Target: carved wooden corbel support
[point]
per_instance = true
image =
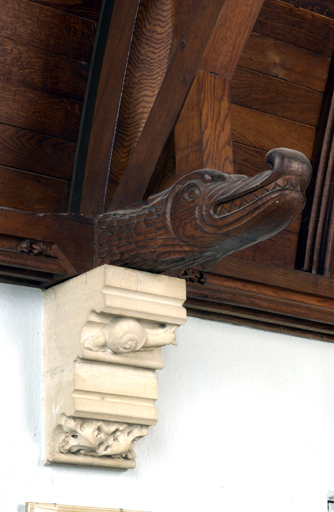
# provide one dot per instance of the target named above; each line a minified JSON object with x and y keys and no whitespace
{"x":205,"y":216}
{"x":102,"y":344}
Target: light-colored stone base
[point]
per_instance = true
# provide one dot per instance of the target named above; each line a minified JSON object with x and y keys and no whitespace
{"x":103,"y":333}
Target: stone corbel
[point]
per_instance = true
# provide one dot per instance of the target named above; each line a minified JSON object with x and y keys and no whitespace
{"x":103,"y":333}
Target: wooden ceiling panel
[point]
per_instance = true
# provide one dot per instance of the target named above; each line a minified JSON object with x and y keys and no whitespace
{"x":36,"y":25}
{"x":280,"y":249}
{"x":296,"y":26}
{"x":275,"y":96}
{"x":86,"y":8}
{"x":286,"y":61}
{"x":35,"y":193}
{"x":322,"y":7}
{"x":41,"y":70}
{"x":41,"y":112}
{"x":35,"y":152}
{"x":264,"y":131}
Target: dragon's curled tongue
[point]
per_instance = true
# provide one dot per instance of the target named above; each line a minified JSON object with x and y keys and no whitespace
{"x":205,"y":216}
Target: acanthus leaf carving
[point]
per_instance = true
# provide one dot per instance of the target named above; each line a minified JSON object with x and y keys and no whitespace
{"x":99,"y":438}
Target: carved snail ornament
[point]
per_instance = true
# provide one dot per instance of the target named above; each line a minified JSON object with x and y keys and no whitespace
{"x":122,"y":335}
{"x":205,"y":216}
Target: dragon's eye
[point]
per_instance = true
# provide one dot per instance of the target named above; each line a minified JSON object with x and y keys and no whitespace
{"x":190,"y":192}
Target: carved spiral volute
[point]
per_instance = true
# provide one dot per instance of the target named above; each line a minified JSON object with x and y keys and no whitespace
{"x":125,"y":335}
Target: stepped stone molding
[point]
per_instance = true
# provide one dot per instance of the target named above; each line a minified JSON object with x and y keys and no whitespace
{"x":103,"y":333}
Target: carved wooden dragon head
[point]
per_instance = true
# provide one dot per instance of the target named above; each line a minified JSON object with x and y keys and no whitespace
{"x":205,"y":216}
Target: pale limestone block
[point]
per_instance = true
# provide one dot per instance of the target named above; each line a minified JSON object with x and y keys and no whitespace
{"x":103,"y":333}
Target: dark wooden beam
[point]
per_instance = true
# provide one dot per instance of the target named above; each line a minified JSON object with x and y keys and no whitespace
{"x":52,"y":243}
{"x":89,"y":185}
{"x":203,"y":133}
{"x":202,"y":20}
{"x":147,"y":64}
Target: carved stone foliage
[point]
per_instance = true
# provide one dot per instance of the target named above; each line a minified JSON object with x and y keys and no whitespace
{"x":99,"y":438}
{"x":205,"y":216}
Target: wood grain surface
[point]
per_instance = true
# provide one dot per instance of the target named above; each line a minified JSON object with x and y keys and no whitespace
{"x":180,"y":10}
{"x":264,"y":131}
{"x":272,"y":250}
{"x":86,"y":8}
{"x":39,"y":111}
{"x":106,"y":108}
{"x":203,"y":137}
{"x":272,"y":275}
{"x":175,"y":86}
{"x":257,"y":319}
{"x":322,"y":7}
{"x":248,"y":160}
{"x":286,"y":61}
{"x":32,"y":68}
{"x":296,"y":26}
{"x":35,"y":193}
{"x":72,"y":233}
{"x":35,"y":152}
{"x":147,"y":64}
{"x":227,"y":41}
{"x":36,"y":25}
{"x":275,"y":96}
{"x":264,"y":298}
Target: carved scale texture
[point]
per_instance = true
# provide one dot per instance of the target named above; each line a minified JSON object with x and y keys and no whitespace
{"x":138,"y":237}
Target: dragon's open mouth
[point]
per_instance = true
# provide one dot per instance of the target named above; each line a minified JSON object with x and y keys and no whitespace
{"x":287,"y":183}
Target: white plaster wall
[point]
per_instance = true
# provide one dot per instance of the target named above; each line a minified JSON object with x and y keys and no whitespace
{"x":246,"y":423}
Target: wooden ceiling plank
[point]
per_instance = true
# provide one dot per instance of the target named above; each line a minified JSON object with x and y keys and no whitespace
{"x":203,"y":137}
{"x":302,"y":306}
{"x":324,"y":8}
{"x":90,"y":187}
{"x":264,"y":131}
{"x":296,"y":26}
{"x":272,"y":275}
{"x":32,"y":275}
{"x":87,"y":9}
{"x":249,"y":158}
{"x":260,"y":320}
{"x":182,"y":69}
{"x":32,"y":68}
{"x":36,"y":193}
{"x":36,"y":152}
{"x":31,"y":262}
{"x":274,"y":96}
{"x":39,"y":111}
{"x":286,"y":61}
{"x":42,"y":27}
{"x":271,"y":250}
